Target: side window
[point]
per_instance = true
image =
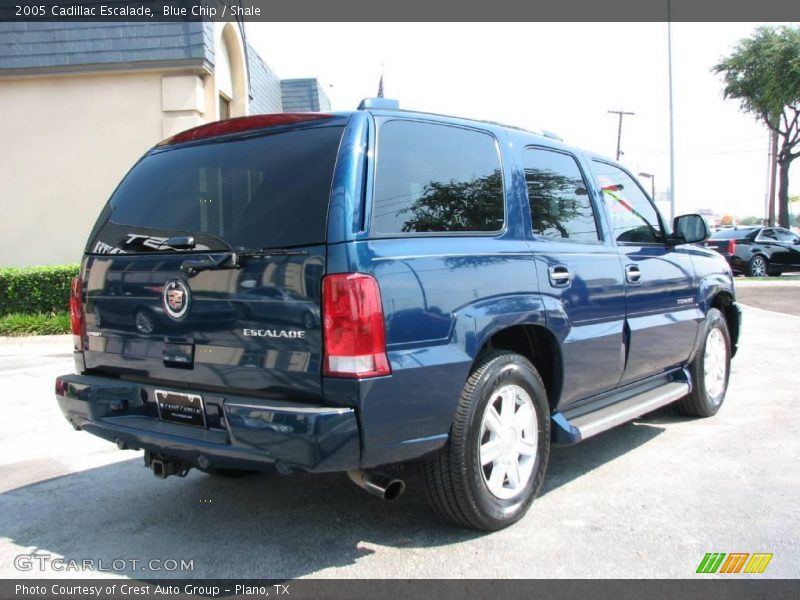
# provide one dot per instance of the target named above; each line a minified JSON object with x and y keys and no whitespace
{"x":784,"y":235}
{"x":634,"y":219}
{"x":768,"y":235}
{"x":559,"y":201}
{"x":436,"y":178}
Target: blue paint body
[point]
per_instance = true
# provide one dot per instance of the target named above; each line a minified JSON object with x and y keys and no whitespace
{"x":444,"y":298}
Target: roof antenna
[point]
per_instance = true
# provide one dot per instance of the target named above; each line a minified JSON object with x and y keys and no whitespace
{"x":380,"y":84}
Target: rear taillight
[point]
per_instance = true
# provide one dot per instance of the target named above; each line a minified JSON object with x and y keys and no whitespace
{"x":353,"y":328}
{"x":76,"y":320}
{"x":731,"y":246}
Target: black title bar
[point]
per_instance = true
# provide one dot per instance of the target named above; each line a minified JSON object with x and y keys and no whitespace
{"x":407,"y":10}
{"x":715,"y":588}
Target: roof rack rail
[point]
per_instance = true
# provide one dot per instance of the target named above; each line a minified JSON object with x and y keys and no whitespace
{"x":552,"y":136}
{"x":379,"y":103}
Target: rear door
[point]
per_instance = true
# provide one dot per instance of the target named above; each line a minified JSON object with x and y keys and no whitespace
{"x":254,"y":328}
{"x":579,"y":270}
{"x":792,"y":241}
{"x":662,"y":307}
{"x":786,"y":251}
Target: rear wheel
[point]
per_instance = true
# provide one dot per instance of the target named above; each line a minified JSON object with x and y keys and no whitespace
{"x":491,"y":468}
{"x":144,"y":321}
{"x":710,"y":369}
{"x":757,"y":267}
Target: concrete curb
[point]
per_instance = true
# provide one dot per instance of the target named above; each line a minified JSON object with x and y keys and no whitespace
{"x":36,"y":344}
{"x":765,"y":283}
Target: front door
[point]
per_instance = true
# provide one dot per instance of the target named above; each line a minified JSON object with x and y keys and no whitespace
{"x":663,"y":314}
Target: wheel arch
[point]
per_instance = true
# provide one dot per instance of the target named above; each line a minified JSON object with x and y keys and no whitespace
{"x":723,"y":301}
{"x":536,"y":343}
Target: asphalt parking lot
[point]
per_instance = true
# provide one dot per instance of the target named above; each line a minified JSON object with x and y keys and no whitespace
{"x":647,"y":499}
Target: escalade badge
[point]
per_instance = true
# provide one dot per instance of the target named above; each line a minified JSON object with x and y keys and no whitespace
{"x":176,"y":298}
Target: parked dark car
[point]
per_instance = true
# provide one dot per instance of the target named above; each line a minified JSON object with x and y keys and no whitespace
{"x":758,"y":251}
{"x":407,"y":288}
{"x":286,"y":306}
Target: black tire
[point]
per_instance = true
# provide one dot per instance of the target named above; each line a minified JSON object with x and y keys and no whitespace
{"x":455,"y":481}
{"x":701,"y":402}
{"x":758,"y":266}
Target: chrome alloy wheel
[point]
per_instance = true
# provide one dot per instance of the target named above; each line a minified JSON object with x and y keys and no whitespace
{"x":144,"y":322}
{"x":715,"y":364}
{"x":508,"y":441}
{"x":758,"y":268}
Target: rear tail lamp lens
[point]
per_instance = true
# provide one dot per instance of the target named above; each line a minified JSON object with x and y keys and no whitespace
{"x":353,"y":327}
{"x":76,"y":316}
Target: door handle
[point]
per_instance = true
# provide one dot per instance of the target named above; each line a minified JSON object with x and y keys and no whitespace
{"x":633,"y":274}
{"x":559,"y":275}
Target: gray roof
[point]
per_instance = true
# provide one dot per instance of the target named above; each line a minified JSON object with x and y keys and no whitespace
{"x":64,"y":46}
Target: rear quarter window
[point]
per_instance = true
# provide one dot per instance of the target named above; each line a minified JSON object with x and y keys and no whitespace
{"x":436,"y":178}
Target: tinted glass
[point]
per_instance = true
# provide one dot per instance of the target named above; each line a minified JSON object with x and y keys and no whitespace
{"x":784,"y":235}
{"x":733,"y":234}
{"x":633,"y":218}
{"x":559,"y":202}
{"x":768,"y":234}
{"x":436,"y":178}
{"x":266,"y":191}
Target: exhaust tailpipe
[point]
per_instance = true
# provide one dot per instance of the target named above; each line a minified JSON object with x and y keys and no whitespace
{"x":377,"y":484}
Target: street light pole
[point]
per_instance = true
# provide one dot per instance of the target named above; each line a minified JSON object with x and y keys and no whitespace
{"x":671,"y":127}
{"x":652,"y":179}
{"x":621,"y":114}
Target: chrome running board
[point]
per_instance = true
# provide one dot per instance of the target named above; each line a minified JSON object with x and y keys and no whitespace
{"x":615,"y":414}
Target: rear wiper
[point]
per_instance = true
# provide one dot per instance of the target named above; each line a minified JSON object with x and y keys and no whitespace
{"x":234,"y":258}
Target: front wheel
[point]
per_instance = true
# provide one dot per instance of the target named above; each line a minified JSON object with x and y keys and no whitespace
{"x":710,"y":369}
{"x":494,"y":462}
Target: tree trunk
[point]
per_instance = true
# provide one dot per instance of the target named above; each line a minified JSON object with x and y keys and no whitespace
{"x":783,"y":192}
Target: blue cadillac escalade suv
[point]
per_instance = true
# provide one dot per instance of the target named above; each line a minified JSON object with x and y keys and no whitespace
{"x":346,"y":291}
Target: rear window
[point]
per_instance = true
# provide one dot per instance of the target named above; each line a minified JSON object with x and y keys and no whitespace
{"x":733,"y":234}
{"x":267,"y":191}
{"x":436,"y":178}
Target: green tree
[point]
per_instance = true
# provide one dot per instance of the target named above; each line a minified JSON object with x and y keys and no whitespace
{"x":750,"y":221}
{"x":474,"y":205}
{"x":763,"y":73}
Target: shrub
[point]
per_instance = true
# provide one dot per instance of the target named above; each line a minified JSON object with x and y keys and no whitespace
{"x":47,"y":324}
{"x":36,"y":290}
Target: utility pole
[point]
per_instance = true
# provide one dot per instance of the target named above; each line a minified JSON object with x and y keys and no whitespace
{"x":671,"y":125}
{"x":621,"y":114}
{"x":773,"y":176}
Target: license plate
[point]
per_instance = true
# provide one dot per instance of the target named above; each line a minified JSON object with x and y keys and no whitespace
{"x":178,"y":407}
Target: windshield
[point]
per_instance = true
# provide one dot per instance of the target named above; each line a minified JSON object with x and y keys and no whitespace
{"x":265,"y":191}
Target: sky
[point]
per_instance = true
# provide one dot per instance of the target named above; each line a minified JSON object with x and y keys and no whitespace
{"x":562,"y":77}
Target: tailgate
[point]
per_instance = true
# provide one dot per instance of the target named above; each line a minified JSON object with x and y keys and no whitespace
{"x":720,"y":246}
{"x":249,"y":325}
{"x":250,"y":329}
